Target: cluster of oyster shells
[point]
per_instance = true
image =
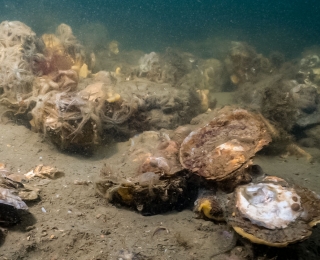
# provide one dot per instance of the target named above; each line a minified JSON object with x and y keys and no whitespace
{"x":160,"y":170}
{"x":221,"y":150}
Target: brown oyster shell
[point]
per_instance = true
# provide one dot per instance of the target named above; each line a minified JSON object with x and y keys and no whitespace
{"x":311,"y":205}
{"x":296,"y":231}
{"x":224,"y":146}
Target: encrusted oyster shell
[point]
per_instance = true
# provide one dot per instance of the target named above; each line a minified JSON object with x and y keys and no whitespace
{"x":273,"y":233}
{"x":224,"y":146}
{"x":149,"y":177}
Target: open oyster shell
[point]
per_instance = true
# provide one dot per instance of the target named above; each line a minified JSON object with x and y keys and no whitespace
{"x":10,"y":201}
{"x":275,"y":215}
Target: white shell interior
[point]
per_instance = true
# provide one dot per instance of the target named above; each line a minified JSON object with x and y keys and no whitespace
{"x":232,"y":145}
{"x":268,"y":205}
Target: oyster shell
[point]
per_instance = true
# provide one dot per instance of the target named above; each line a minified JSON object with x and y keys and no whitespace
{"x":223,"y":147}
{"x":282,"y":214}
{"x":10,"y":201}
{"x":150,"y":179}
{"x":44,"y":171}
{"x":270,"y":212}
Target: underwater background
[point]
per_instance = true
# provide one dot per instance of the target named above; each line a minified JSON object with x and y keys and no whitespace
{"x":162,"y":108}
{"x":285,"y":26}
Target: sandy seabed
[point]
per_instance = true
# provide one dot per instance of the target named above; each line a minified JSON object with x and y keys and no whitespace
{"x":78,"y":224}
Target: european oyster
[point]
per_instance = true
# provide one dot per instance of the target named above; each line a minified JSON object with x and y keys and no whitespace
{"x":223,"y":148}
{"x":273,"y":213}
{"x":150,"y":179}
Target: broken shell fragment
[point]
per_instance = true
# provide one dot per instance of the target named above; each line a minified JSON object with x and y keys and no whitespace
{"x":29,"y":193}
{"x":8,"y":197}
{"x":44,"y":172}
{"x":12,"y":194}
